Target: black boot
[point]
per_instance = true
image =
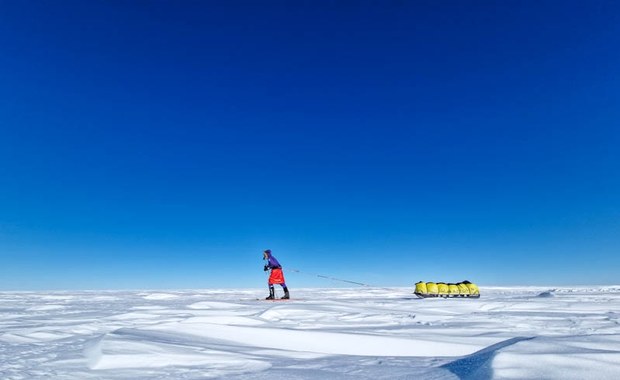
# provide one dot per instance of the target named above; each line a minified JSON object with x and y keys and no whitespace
{"x":286,"y":295}
{"x":271,"y":294}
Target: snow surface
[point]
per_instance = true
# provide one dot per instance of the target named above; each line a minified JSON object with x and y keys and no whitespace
{"x":361,"y":333}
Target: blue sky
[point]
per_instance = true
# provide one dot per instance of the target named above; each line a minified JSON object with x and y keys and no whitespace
{"x":166,"y":144}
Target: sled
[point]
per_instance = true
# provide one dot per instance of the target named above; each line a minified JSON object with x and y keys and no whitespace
{"x":463,"y":289}
{"x":426,"y":295}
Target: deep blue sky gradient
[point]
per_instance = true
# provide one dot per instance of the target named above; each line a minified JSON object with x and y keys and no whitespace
{"x":165,"y":144}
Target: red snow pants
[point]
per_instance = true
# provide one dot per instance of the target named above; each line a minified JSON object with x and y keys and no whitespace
{"x":276,"y":276}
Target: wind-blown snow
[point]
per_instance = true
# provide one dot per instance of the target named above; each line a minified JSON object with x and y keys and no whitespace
{"x":362,"y":333}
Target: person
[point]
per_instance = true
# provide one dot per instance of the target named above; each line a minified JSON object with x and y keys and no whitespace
{"x":276,"y":276}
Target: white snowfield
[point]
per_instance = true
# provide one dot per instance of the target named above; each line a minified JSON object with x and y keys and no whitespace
{"x":361,"y":333}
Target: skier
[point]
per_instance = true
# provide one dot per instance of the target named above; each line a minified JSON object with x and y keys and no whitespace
{"x":276,"y":276}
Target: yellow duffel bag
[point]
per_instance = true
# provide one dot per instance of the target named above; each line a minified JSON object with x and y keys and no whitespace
{"x":442,"y":289}
{"x":453,"y":289}
{"x":463,"y":289}
{"x":473,"y":288}
{"x":420,"y":287}
{"x":431,"y":288}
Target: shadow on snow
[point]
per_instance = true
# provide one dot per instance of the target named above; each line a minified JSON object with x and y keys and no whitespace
{"x":477,"y":366}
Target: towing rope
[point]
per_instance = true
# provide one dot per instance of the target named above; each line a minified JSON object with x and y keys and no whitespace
{"x":331,"y":278}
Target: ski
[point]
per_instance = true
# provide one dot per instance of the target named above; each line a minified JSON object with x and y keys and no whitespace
{"x":275,"y":299}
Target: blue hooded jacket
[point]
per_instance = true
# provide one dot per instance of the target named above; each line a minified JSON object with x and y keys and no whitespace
{"x":272,"y":262}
